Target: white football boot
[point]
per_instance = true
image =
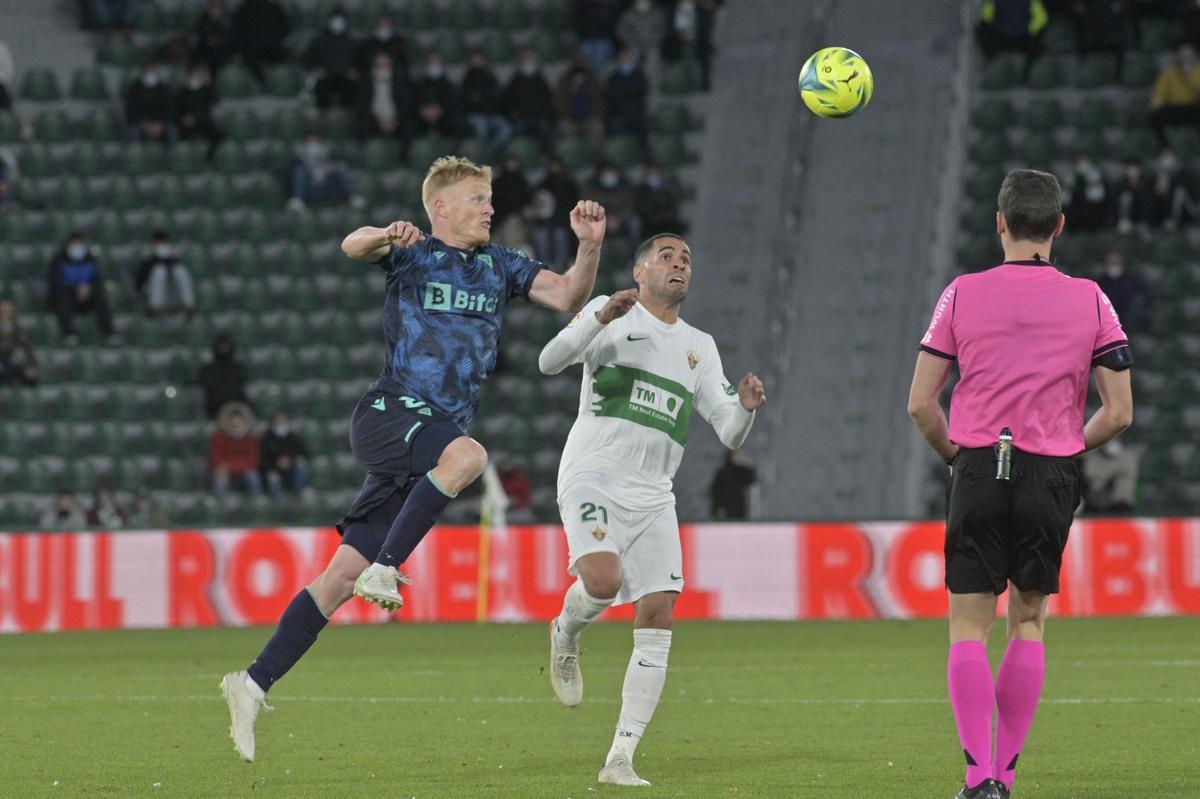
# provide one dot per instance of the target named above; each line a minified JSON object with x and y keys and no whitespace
{"x":564,"y":670}
{"x":377,"y":585}
{"x":244,"y":703}
{"x":619,"y":771}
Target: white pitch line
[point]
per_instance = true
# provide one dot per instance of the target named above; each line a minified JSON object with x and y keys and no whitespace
{"x":509,"y":700}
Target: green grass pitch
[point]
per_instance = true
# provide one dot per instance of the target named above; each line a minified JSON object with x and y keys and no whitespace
{"x":770,"y":710}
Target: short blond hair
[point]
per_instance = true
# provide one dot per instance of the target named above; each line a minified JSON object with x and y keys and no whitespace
{"x":447,"y":171}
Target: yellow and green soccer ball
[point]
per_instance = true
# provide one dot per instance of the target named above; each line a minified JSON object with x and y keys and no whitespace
{"x":836,"y":83}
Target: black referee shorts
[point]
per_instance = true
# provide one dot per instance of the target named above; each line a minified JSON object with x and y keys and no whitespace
{"x":1001,"y":530}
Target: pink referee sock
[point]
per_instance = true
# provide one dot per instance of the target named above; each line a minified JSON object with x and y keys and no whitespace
{"x":1018,"y":688}
{"x":973,"y":696}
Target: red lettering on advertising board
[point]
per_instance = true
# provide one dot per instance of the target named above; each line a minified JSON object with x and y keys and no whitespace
{"x":31,"y":553}
{"x":837,"y":561}
{"x":74,"y":607}
{"x":190,"y":569}
{"x":456,"y":566}
{"x":1118,"y":585}
{"x":918,"y":549}
{"x":255,"y":550}
{"x":1182,"y":565}
{"x":109,"y":610}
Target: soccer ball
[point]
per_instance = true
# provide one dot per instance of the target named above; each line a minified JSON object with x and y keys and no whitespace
{"x":836,"y":83}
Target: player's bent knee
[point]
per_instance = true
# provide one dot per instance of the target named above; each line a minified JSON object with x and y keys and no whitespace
{"x":466,"y":459}
{"x":602,"y":586}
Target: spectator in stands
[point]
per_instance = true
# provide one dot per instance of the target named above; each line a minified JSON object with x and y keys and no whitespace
{"x":436,"y":100}
{"x":145,"y":513}
{"x":64,"y":514}
{"x":1175,"y":98}
{"x":161,"y":270}
{"x":8,"y":73}
{"x":223,"y":378}
{"x":283,"y":457}
{"x":529,"y":101}
{"x":260,"y":28}
{"x":1110,"y":476}
{"x":233,"y":452}
{"x":385,"y":106}
{"x":384,"y":39}
{"x":1134,"y":199}
{"x":518,"y":489}
{"x":105,"y":513}
{"x":552,"y":235}
{"x":1128,"y":293}
{"x":1104,"y":26}
{"x":625,"y":95}
{"x":690,"y":35}
{"x":316,"y":177}
{"x":193,"y":109}
{"x":1012,"y":25}
{"x":480,"y":92}
{"x":596,"y":23}
{"x":76,"y":286}
{"x":730,"y":489}
{"x":608,"y":187}
{"x":642,"y":29}
{"x":330,"y":59}
{"x":8,"y":179}
{"x":214,"y":37}
{"x":18,"y":362}
{"x":579,"y":99}
{"x":655,"y":203}
{"x":1172,"y":192}
{"x":1086,"y":199}
{"x":510,"y":190}
{"x":112,"y":15}
{"x":148,"y":105}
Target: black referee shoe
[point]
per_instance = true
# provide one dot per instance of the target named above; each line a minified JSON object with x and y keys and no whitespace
{"x":1001,"y":789}
{"x":988,"y":789}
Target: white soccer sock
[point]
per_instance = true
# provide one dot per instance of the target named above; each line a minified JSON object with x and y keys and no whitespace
{"x":579,"y":610}
{"x":644,"y":680}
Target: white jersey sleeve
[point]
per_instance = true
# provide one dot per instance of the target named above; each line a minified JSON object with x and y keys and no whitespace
{"x":718,"y":404}
{"x":575,"y":341}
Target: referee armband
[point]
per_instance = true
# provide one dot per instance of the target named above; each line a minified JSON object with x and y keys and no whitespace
{"x":1117,"y":358}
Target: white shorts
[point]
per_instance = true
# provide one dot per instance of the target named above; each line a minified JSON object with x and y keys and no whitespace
{"x":647,"y":542}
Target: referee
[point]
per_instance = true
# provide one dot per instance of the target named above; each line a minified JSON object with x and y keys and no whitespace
{"x":1025,"y":336}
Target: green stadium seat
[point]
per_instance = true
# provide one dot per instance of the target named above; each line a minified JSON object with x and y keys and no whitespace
{"x":1040,"y":150}
{"x":553,"y":15}
{"x":681,"y":77}
{"x":673,"y":119}
{"x":451,"y":45}
{"x":40,"y":85}
{"x":1059,"y":36}
{"x":73,"y":195}
{"x":87,"y":159}
{"x":230,"y":158}
{"x":1140,"y":144}
{"x":118,"y":51}
{"x":670,"y":151}
{"x":289,"y":124}
{"x":234,"y":82}
{"x":510,"y":15}
{"x":465,"y":15}
{"x":498,"y":49}
{"x":1096,"y":71}
{"x":1159,"y":35}
{"x":425,"y":150}
{"x":1095,"y":114}
{"x":575,"y":152}
{"x":1002,"y":73}
{"x":380,"y":155}
{"x":37,"y":161}
{"x":88,"y":83}
{"x":1047,"y":72}
{"x":207,"y":227}
{"x":220,"y":194}
{"x":10,"y":127}
{"x":187,"y":158}
{"x":421,"y":15}
{"x":151,"y":18}
{"x":1172,"y":249}
{"x":241,"y":124}
{"x":478,"y":150}
{"x":1186,"y":142}
{"x":994,"y":114}
{"x":624,"y":151}
{"x":102,"y":126}
{"x":282,"y":81}
{"x":1044,"y":114}
{"x":335,"y":125}
{"x":137,"y":159}
{"x":527,"y":149}
{"x":110,"y":229}
{"x":1139,"y":70}
{"x":53,"y":127}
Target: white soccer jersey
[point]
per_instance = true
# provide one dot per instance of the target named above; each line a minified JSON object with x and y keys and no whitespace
{"x":642,"y":379}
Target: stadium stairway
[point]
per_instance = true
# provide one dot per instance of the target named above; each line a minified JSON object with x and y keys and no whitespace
{"x":800,"y":282}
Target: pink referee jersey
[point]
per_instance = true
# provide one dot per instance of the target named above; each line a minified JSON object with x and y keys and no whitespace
{"x":1025,"y":337}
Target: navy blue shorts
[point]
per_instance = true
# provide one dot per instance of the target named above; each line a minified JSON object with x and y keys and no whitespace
{"x":398,"y":440}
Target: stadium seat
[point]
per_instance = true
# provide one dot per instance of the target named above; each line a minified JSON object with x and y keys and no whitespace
{"x":670,"y":151}
{"x":994,"y":114}
{"x":151,"y":18}
{"x":681,"y":77}
{"x":1047,"y":72}
{"x":88,"y":83}
{"x":1096,"y":70}
{"x":1095,"y":114}
{"x":421,"y":15}
{"x":673,"y":119}
{"x":1002,"y":73}
{"x":73,"y":195}
{"x":187,"y":158}
{"x":138,"y":158}
{"x":1186,"y":142}
{"x":1059,"y":36}
{"x":575,"y":152}
{"x":102,"y":126}
{"x":40,"y":85}
{"x":380,"y":155}
{"x":527,"y":149}
{"x":465,"y":15}
{"x":498,"y":49}
{"x":624,"y":151}
{"x":10,"y":127}
{"x":241,"y":124}
{"x":1040,"y":150}
{"x":1140,"y":144}
{"x":510,"y":15}
{"x":53,"y":127}
{"x":423,"y":151}
{"x":234,"y":82}
{"x":118,"y":51}
{"x":1044,"y":114}
{"x":37,"y":161}
{"x":1139,"y":70}
{"x":230,"y":159}
{"x":282,"y":81}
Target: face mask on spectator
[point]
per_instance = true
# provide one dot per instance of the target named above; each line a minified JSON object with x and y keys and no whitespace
{"x":609,"y":180}
{"x":281,"y":430}
{"x":626,"y":68}
{"x":643,"y":6}
{"x":76,"y":252}
{"x":383,"y":33}
{"x":313,"y":150}
{"x":195,"y":83}
{"x":150,"y":79}
{"x":654,"y":181}
{"x":1114,"y":270}
{"x":435,"y":71}
{"x":1168,"y":163}
{"x":529,"y":68}
{"x":162,"y":250}
{"x":337,"y":24}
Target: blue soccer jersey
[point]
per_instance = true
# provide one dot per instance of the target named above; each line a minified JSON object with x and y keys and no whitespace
{"x":442,"y":320}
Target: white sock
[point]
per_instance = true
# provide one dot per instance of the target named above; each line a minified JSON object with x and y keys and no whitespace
{"x":255,"y":689}
{"x":644,"y":680}
{"x":579,"y":610}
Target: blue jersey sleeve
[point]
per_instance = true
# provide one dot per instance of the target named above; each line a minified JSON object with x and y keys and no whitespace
{"x":396,"y":260}
{"x":520,"y":270}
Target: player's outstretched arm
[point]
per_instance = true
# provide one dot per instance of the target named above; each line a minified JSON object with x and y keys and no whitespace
{"x":571,"y":343}
{"x":370,"y":244}
{"x":729,"y":410}
{"x":569,"y":291}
